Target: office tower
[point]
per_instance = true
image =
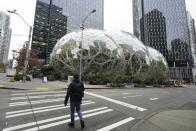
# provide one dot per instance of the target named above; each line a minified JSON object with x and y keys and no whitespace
{"x":156,"y":31}
{"x":55,"y":18}
{"x":192,"y":36}
{"x":150,"y":19}
{"x":5,"y":36}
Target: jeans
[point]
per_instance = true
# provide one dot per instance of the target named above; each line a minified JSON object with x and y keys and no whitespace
{"x":76,"y":105}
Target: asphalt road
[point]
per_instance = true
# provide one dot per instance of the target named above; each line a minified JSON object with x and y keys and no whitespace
{"x":103,"y":109}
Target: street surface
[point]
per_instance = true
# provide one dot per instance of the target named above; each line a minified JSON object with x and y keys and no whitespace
{"x":103,"y":109}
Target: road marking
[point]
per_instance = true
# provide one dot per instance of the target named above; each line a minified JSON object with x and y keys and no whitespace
{"x":110,"y":127}
{"x":38,"y":96}
{"x":125,"y":93}
{"x":132,"y":96}
{"x":41,"y":88}
{"x":1,"y":85}
{"x":43,"y":92}
{"x":46,"y":110}
{"x":50,"y":120}
{"x":117,"y":102}
{"x":36,"y":102}
{"x":153,"y":99}
{"x":40,"y":108}
{"x":68,"y":120}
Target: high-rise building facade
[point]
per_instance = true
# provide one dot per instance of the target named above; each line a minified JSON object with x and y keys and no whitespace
{"x":55,"y":18}
{"x":49,"y":25}
{"x":192,"y":36}
{"x":163,"y":24}
{"x":156,"y":31}
{"x":5,"y":36}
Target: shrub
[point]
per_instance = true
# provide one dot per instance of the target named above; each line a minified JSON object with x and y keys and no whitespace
{"x":18,"y":77}
{"x":119,"y":79}
{"x":96,"y":79}
{"x":51,"y":78}
{"x":156,"y":85}
{"x":101,"y":79}
{"x":117,"y":85}
{"x":139,"y":85}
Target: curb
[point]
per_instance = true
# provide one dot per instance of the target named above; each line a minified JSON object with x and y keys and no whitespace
{"x":142,"y":121}
{"x":15,"y":88}
{"x":57,"y":89}
{"x":12,"y":88}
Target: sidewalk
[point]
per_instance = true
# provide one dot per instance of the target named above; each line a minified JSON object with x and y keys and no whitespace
{"x":37,"y":84}
{"x":170,"y":120}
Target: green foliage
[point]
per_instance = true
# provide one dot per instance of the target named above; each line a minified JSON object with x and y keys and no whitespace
{"x":37,"y":74}
{"x":158,"y":75}
{"x":139,"y":85}
{"x":117,"y":85}
{"x":156,"y":85}
{"x":101,"y":79}
{"x":52,"y":73}
{"x":46,"y":70}
{"x":97,"y":79}
{"x":140,"y":78}
{"x":118,"y":80}
{"x":18,"y":77}
{"x":51,"y":78}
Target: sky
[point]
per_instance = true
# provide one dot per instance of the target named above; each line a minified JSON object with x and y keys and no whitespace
{"x":117,"y":16}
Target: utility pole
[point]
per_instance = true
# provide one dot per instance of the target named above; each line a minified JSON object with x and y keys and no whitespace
{"x":80,"y":46}
{"x":27,"y":55}
{"x":28,"y":44}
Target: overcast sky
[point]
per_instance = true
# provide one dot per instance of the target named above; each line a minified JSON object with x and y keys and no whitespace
{"x":117,"y":16}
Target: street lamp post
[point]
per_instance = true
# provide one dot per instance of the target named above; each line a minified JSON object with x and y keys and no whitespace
{"x":80,"y":46}
{"x":28,"y":44}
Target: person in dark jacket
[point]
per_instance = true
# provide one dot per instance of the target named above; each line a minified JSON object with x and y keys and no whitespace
{"x":75,"y":92}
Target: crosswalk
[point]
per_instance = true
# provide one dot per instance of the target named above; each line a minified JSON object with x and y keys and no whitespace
{"x":50,"y":112}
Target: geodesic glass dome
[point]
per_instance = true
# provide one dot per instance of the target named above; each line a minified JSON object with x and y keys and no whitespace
{"x":103,"y":51}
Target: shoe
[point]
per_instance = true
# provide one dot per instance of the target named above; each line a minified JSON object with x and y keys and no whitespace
{"x":71,"y":125}
{"x":82,"y":124}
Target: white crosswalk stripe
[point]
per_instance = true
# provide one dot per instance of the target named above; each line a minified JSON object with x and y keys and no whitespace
{"x":51,"y":119}
{"x":68,"y":120}
{"x":36,"y":102}
{"x":110,"y":127}
{"x":43,"y":92}
{"x":40,"y":110}
{"x":25,"y":110}
{"x":117,"y":102}
{"x":34,"y":97}
{"x":20,"y":109}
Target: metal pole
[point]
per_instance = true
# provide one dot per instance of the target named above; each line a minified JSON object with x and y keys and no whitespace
{"x":28,"y":44}
{"x":81,"y":51}
{"x":27,"y":55}
{"x":80,"y":46}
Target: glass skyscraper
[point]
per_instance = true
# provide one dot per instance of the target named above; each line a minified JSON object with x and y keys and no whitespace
{"x":192,"y":36}
{"x":55,"y":18}
{"x":5,"y":37}
{"x":156,"y":31}
{"x":155,"y":21}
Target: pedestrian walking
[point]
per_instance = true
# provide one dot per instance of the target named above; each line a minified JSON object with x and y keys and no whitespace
{"x":75,"y":92}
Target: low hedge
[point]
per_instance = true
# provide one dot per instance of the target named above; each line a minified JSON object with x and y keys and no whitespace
{"x":19,"y":77}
